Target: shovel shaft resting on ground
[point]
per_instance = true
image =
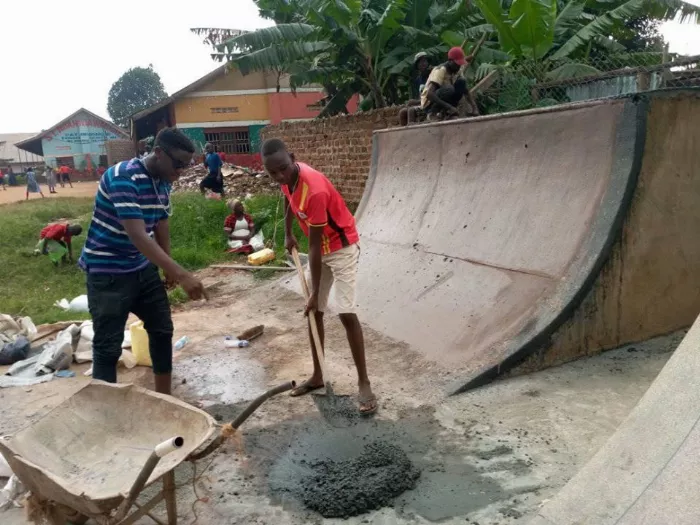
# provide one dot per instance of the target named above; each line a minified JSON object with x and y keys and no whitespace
{"x":312,"y":322}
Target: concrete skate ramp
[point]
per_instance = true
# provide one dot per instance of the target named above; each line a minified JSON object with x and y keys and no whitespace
{"x":480,"y":237}
{"x":648,"y":473}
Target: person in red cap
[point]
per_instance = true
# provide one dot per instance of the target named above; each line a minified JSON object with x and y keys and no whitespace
{"x":445,"y":87}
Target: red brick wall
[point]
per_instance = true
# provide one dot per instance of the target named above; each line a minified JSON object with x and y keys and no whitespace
{"x":340,"y":147}
{"x":119,"y":150}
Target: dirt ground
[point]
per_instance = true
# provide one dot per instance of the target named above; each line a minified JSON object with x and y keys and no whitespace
{"x":487,"y":457}
{"x":79,"y":189}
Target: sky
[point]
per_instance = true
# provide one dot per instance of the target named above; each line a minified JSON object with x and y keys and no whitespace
{"x":58,"y":56}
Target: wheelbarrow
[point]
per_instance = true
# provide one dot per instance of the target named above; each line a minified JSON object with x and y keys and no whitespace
{"x":93,"y":455}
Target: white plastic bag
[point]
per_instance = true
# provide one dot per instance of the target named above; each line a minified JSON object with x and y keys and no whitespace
{"x":257,"y":241}
{"x":9,"y":496}
{"x":78,"y":304}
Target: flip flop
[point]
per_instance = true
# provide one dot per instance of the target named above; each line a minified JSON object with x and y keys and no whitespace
{"x":373,"y":405}
{"x":304,"y":389}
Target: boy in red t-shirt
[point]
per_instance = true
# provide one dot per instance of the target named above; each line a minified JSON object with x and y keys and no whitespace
{"x":58,"y":232}
{"x":64,"y":176}
{"x":334,"y":254}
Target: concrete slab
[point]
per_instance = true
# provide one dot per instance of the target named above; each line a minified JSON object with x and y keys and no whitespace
{"x":478,"y":236}
{"x":647,"y":473}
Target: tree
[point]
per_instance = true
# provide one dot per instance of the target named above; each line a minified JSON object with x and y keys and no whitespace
{"x":135,"y":90}
{"x":367,"y":46}
{"x":348,"y":46}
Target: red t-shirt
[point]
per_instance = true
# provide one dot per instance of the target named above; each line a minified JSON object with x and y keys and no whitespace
{"x":55,"y":231}
{"x":316,"y":202}
{"x":64,"y":170}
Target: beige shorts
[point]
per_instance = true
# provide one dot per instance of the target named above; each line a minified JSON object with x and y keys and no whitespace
{"x":339,"y":268}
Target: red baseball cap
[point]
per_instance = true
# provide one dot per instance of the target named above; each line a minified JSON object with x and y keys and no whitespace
{"x":457,"y":56}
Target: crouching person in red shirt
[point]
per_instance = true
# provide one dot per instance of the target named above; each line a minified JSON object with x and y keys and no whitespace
{"x":334,"y":254}
{"x":55,"y":241}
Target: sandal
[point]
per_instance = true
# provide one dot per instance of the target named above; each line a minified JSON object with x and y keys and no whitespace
{"x":368,"y":405}
{"x":304,"y":389}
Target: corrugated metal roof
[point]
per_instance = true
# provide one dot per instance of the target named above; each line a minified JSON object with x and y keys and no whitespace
{"x":9,"y":153}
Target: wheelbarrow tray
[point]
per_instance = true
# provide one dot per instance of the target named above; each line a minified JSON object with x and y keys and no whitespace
{"x":87,"y":452}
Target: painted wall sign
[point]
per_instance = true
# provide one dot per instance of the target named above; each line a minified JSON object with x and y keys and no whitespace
{"x":80,"y":123}
{"x":82,"y":137}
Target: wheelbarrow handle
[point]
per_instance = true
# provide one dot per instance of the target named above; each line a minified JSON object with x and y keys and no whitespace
{"x":161,"y":450}
{"x":252,"y":407}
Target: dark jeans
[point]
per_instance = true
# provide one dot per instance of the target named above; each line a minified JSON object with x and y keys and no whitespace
{"x":211,"y":182}
{"x":111,"y":297}
{"x":450,"y":94}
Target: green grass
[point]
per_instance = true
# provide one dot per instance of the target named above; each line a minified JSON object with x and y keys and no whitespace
{"x":30,"y":285}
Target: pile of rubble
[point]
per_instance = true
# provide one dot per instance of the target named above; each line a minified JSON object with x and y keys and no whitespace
{"x":237,"y":180}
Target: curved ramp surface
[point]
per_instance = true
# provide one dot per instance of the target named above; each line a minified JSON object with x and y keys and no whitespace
{"x":648,"y":473}
{"x":479,"y":237}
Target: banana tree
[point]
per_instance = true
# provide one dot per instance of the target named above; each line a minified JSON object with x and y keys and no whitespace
{"x":343,"y":41}
{"x":555,"y":39}
{"x":348,"y":46}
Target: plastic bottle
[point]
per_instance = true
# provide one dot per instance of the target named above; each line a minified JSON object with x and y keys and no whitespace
{"x":232,"y":342}
{"x":180,"y":343}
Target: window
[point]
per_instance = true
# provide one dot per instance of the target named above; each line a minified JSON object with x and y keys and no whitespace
{"x":65,"y":161}
{"x":229,"y":142}
{"x":103,"y":161}
{"x":232,"y":109}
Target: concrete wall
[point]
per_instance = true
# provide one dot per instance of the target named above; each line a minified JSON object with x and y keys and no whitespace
{"x":226,"y":109}
{"x":648,"y":286}
{"x":340,"y":147}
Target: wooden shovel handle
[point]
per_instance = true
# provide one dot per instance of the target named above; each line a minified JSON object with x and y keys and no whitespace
{"x":312,"y":315}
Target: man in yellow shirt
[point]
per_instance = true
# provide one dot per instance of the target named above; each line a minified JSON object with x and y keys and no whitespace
{"x":445,"y":87}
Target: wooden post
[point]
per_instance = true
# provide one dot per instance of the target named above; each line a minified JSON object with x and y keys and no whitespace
{"x":169,"y":493}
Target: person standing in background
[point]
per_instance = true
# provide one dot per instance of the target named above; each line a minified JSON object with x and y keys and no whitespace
{"x":3,"y":182}
{"x":214,"y":180}
{"x":32,"y":184}
{"x":65,"y":176}
{"x":50,"y":175}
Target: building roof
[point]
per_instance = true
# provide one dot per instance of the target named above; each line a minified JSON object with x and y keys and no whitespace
{"x":187,"y":89}
{"x":33,"y":144}
{"x":9,"y":154}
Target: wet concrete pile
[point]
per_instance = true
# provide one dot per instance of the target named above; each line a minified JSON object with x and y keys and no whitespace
{"x":238,"y":181}
{"x":348,"y":487}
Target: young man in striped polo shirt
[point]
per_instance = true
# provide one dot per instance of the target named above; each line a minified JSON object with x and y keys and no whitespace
{"x":128,"y":240}
{"x":334,"y":255}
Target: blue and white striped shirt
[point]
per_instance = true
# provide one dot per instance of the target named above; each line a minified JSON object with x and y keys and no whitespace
{"x":126,"y":191}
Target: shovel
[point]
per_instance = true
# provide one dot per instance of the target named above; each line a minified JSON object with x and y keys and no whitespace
{"x":312,"y":323}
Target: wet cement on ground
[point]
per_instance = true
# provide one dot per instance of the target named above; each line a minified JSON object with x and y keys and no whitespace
{"x":337,"y":410}
{"x":348,"y":487}
{"x":313,"y":466}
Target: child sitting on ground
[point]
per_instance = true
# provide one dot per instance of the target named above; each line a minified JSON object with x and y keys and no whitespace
{"x":239,"y":228}
{"x":55,"y":241}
